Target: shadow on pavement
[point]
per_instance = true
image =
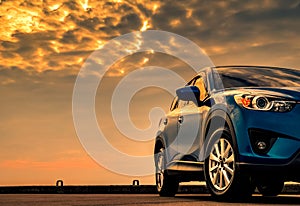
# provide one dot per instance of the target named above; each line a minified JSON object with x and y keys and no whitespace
{"x":279,"y":200}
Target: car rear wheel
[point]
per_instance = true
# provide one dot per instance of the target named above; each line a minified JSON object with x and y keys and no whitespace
{"x":223,"y":177}
{"x":270,"y":187}
{"x":167,"y":185}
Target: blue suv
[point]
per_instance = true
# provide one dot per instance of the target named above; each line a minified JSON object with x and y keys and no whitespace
{"x":234,"y":127}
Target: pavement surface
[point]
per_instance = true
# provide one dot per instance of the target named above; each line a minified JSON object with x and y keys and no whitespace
{"x":134,"y":199}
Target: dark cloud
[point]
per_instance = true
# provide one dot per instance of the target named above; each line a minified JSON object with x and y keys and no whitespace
{"x":233,"y":28}
{"x":90,"y":23}
{"x":71,"y":5}
{"x":129,"y":22}
{"x":69,"y":38}
{"x":53,"y":63}
{"x":35,"y":37}
{"x":9,"y":45}
{"x":27,"y":44}
{"x":110,"y":21}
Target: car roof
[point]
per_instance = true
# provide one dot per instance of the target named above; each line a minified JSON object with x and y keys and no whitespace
{"x":250,"y":66}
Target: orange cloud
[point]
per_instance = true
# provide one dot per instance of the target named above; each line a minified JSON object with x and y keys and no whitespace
{"x":60,"y":27}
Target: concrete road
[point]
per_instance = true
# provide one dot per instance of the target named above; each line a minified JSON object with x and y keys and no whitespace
{"x":133,"y":199}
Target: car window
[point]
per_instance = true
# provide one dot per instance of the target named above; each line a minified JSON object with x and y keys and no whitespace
{"x":182,"y":103}
{"x":192,"y":81}
{"x":230,"y":77}
{"x":177,"y":103}
{"x":200,"y":83}
{"x":174,"y":104}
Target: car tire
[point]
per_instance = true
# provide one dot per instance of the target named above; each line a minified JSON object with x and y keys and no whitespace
{"x":223,"y":178}
{"x":166,"y":185}
{"x":270,"y":187}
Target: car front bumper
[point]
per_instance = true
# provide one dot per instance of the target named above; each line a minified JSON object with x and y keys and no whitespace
{"x":289,"y":171}
{"x":285,"y":129}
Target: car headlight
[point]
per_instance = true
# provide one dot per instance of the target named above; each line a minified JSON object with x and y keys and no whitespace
{"x":264,"y":103}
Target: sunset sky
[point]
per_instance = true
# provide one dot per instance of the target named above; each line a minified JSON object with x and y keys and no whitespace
{"x":43,"y":45}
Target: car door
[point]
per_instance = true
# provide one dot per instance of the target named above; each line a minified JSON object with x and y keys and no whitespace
{"x":190,"y":123}
{"x":170,"y":123}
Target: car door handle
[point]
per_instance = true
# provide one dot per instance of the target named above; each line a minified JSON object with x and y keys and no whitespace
{"x":180,"y":119}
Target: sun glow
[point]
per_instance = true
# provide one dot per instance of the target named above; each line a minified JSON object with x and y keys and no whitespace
{"x":54,"y":7}
{"x":85,"y":5}
{"x":55,"y":46}
{"x":100,"y":44}
{"x":66,"y":13}
{"x":154,"y":8}
{"x":145,"y":60}
{"x":80,"y":60}
{"x":189,"y":13}
{"x":40,"y":52}
{"x":145,"y":26}
{"x":19,"y":18}
{"x":175,"y":23}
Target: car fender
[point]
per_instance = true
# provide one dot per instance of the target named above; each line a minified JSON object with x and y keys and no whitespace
{"x":220,"y":117}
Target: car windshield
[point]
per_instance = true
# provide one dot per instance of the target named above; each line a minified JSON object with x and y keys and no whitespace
{"x":256,"y":77}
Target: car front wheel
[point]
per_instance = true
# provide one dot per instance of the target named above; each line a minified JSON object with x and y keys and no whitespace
{"x":223,"y":178}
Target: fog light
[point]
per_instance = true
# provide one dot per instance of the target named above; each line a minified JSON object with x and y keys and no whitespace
{"x":261,"y":145}
{"x":262,"y":140}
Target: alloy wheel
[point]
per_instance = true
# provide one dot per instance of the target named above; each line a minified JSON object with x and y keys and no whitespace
{"x":160,"y":169}
{"x":221,"y":164}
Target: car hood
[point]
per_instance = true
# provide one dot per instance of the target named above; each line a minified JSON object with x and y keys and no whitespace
{"x":284,"y":92}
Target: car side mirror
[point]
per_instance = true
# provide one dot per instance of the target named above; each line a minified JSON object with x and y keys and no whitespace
{"x":189,"y":93}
